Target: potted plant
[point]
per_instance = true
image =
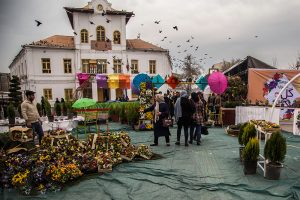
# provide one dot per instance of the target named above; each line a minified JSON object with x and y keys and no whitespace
{"x":114,"y":112}
{"x":240,"y":140}
{"x":123,"y":111}
{"x":69,"y":110}
{"x":48,"y":111}
{"x":250,"y":155}
{"x":64,"y":108}
{"x":39,"y":108}
{"x":57,"y":108}
{"x":275,"y":151}
{"x":11,"y":114}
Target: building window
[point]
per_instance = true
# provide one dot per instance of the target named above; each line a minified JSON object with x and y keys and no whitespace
{"x":134,"y":66}
{"x":85,"y":65}
{"x":101,"y":66}
{"x":84,"y":36}
{"x":69,"y":94}
{"x":117,"y":66}
{"x":117,"y":37}
{"x":46,"y":66}
{"x":100,"y":33}
{"x":152,"y":66}
{"x":67,"y":66}
{"x":48,"y":94}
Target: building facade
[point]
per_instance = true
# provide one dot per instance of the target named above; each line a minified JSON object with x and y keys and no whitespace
{"x":98,"y":46}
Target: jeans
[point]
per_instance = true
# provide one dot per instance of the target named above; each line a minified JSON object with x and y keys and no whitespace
{"x":37,"y":128}
{"x":186,"y":132}
{"x":167,"y":139}
{"x":197,"y":133}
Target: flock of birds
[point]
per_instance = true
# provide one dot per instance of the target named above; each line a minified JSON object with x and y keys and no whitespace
{"x":182,"y":49}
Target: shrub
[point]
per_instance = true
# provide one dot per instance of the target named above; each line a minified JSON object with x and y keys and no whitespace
{"x":275,"y":148}
{"x":39,"y":108}
{"x":64,"y":108}
{"x":242,"y":129}
{"x":249,"y":132}
{"x":11,"y":111}
{"x":57,"y":108}
{"x":251,"y":151}
{"x":48,"y":107}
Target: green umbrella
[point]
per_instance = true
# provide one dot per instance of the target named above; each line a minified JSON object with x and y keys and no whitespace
{"x":84,"y":103}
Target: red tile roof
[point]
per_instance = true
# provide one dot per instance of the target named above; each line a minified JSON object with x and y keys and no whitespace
{"x":138,"y":44}
{"x":57,"y":41}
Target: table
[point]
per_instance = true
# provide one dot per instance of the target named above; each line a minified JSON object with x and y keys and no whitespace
{"x":246,"y":113}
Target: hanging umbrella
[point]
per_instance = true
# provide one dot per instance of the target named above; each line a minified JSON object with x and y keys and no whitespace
{"x":138,"y":79}
{"x":217,"y":82}
{"x":158,"y":81}
{"x":84,"y":103}
{"x":202,"y":82}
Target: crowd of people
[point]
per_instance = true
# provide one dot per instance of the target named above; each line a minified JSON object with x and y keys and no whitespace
{"x":188,"y":112}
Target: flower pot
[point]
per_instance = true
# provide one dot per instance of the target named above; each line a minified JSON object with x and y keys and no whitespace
{"x":250,"y":167}
{"x":241,"y":149}
{"x":114,"y":118}
{"x":50,"y":118}
{"x":11,"y":120}
{"x":273,"y":171}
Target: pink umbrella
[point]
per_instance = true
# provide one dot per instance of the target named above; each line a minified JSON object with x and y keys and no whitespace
{"x":217,"y":82}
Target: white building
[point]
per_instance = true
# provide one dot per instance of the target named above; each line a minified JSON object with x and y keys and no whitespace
{"x":99,"y":46}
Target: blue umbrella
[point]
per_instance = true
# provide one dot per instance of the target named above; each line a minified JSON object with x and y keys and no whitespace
{"x":138,"y":79}
{"x":202,"y":82}
{"x":158,"y":81}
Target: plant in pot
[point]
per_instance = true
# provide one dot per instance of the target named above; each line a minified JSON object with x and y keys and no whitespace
{"x":39,"y":108}
{"x":240,"y":140}
{"x":11,"y":114}
{"x":48,"y":111}
{"x":69,"y":109}
{"x":57,"y":108}
{"x":64,"y":108}
{"x":123,"y":116}
{"x":275,"y":151}
{"x":250,"y":155}
{"x":114,"y":112}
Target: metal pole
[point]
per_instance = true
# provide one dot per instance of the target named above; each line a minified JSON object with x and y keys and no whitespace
{"x":281,"y":91}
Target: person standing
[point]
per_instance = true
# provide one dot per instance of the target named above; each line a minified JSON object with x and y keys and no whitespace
{"x":31,"y":115}
{"x":57,"y":101}
{"x":197,"y":119}
{"x":184,"y":110}
{"x":161,"y":112}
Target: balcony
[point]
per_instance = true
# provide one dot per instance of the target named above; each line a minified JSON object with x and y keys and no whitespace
{"x":100,"y":46}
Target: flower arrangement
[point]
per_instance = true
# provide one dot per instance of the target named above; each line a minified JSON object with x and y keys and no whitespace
{"x":144,"y":151}
{"x":272,"y":84}
{"x":50,"y":167}
{"x":145,"y":101}
{"x":149,"y":116}
{"x":149,"y":126}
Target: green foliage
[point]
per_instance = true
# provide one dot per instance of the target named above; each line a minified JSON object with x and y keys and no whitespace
{"x":11,"y":111}
{"x":236,"y":90}
{"x":249,"y":132}
{"x":64,"y":108}
{"x":232,"y":104}
{"x":242,"y":129}
{"x":132,"y":112}
{"x":251,"y":150}
{"x":48,"y":107}
{"x":68,"y":106}
{"x":39,"y":108}
{"x":123,"y":116}
{"x":14,"y":91}
{"x":275,"y":148}
{"x":57,"y":108}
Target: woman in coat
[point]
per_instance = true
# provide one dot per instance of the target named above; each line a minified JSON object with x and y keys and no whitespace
{"x":184,"y":109}
{"x":161,"y":112}
{"x":197,"y":119}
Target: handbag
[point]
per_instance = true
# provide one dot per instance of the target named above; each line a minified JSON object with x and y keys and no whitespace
{"x":167,"y":122}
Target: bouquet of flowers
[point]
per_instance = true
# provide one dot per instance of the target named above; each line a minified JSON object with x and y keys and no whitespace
{"x":104,"y":162}
{"x":128,"y":153}
{"x":149,"y":116}
{"x":63,"y":173}
{"x":144,"y":152}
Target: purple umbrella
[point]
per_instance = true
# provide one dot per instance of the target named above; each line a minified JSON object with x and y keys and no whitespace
{"x":217,"y":82}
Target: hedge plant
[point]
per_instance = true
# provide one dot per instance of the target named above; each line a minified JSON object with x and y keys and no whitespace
{"x":251,"y":151}
{"x":275,"y":148}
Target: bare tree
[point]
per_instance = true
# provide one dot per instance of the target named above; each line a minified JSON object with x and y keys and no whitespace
{"x":227,"y":65}
{"x":296,"y":65}
{"x":190,"y":70}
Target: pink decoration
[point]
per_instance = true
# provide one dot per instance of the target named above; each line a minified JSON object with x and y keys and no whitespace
{"x":217,"y":82}
{"x":82,"y":77}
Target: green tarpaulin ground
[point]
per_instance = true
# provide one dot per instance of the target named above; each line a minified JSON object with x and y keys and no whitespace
{"x":209,"y":171}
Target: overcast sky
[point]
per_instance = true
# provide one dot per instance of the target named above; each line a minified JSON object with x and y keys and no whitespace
{"x":210,"y":22}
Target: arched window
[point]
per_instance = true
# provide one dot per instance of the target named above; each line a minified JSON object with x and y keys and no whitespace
{"x":84,"y":36}
{"x":117,"y":37}
{"x":100,"y":33}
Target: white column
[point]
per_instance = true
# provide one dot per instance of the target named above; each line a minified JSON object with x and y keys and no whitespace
{"x":95,"y":90}
{"x":112,"y":94}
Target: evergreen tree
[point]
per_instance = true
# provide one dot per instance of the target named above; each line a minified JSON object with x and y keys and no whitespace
{"x":14,"y":91}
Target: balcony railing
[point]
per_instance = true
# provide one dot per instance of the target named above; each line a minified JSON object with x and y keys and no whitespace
{"x":100,"y":46}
